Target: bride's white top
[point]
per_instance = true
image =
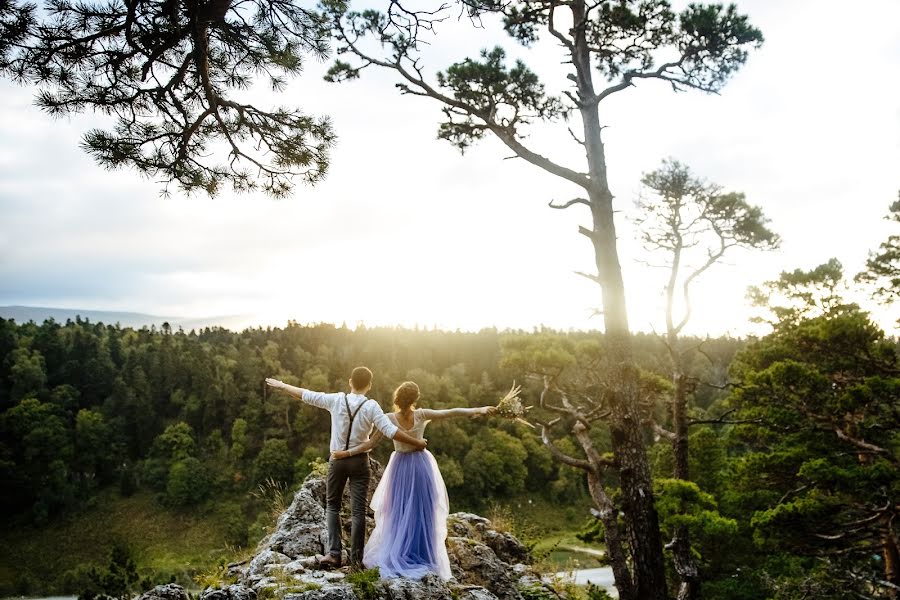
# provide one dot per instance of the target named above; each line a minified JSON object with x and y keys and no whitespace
{"x":421,"y":418}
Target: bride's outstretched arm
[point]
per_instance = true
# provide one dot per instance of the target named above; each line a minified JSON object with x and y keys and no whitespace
{"x":360,"y":448}
{"x":450,"y":413}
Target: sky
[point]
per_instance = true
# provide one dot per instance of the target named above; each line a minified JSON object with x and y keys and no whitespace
{"x":406,"y":231}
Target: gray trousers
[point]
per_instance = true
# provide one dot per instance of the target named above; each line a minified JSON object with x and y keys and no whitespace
{"x":356,"y":469}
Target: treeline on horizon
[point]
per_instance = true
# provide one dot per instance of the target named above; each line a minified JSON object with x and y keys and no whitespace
{"x":87,"y":405}
{"x":778,"y":505}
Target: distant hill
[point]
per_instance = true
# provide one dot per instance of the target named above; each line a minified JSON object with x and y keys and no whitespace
{"x":39,"y":314}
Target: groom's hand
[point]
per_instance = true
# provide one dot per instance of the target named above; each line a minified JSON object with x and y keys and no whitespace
{"x":422,"y":444}
{"x":275,"y":383}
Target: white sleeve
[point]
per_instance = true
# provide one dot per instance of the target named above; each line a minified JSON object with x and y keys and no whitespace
{"x":373,"y":441}
{"x":381,"y":421}
{"x":321,"y":399}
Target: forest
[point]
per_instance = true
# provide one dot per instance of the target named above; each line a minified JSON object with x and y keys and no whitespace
{"x":793,"y":443}
{"x":755,"y":468}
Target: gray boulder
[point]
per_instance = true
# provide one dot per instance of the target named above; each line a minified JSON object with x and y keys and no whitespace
{"x":480,"y":558}
{"x":430,"y":586}
{"x":300,"y":530}
{"x":232,"y":592}
{"x":263,"y":563}
{"x":475,"y":563}
{"x":473,"y":592}
{"x":330,"y":592}
{"x":505,"y":545}
{"x":170,"y":591}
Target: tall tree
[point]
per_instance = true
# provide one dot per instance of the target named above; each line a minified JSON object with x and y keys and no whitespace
{"x":171,"y":72}
{"x":621,"y":42}
{"x":693,"y":224}
{"x":883,"y":267}
{"x":819,"y":470}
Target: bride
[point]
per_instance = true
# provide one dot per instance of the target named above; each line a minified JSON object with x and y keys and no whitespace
{"x":410,"y":502}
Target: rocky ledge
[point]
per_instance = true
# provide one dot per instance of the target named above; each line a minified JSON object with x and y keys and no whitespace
{"x":487,"y":564}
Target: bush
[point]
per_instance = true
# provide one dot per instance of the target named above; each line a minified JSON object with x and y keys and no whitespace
{"x":274,"y":462}
{"x":188,"y":483}
{"x":235,"y":525}
{"x":119,"y":579}
{"x":303,"y":465}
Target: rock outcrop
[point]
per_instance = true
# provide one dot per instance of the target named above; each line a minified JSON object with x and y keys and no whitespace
{"x":487,"y":564}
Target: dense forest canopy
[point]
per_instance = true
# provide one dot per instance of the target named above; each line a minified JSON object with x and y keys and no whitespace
{"x":89,"y":407}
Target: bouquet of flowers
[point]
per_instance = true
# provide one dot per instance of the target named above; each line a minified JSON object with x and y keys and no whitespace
{"x":511,"y":406}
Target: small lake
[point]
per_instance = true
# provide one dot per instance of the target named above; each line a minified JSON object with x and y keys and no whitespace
{"x":600,"y":576}
{"x":41,"y":598}
{"x":582,"y":565}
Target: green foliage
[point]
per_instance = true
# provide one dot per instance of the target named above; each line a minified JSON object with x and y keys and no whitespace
{"x":216,"y":578}
{"x":364,"y":583}
{"x":495,"y":465}
{"x":234,"y":524}
{"x":175,"y":443}
{"x":799,"y":294}
{"x":592,"y":531}
{"x":595,"y":592}
{"x":303,"y":466}
{"x":681,"y":212}
{"x":318,"y":466}
{"x":239,"y":439}
{"x":26,"y":373}
{"x":882,"y":272}
{"x":488,"y":86}
{"x":165,"y":127}
{"x":119,"y":580}
{"x":274,"y":462}
{"x":680,"y":502}
{"x":188,"y":483}
{"x":536,"y":592}
{"x":817,"y":462}
{"x":36,"y":462}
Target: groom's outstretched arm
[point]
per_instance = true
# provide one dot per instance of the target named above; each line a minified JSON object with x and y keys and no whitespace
{"x":319,"y":399}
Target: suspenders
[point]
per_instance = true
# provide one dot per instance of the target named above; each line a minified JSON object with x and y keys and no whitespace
{"x":352,"y":418}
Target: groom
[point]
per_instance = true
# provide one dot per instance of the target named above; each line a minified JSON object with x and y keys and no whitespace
{"x":352,"y":418}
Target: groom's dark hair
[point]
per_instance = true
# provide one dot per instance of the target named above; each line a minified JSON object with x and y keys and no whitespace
{"x":361,"y":378}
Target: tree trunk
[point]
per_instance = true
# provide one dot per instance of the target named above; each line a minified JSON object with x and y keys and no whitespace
{"x":891,"y":555}
{"x":612,"y":535}
{"x":627,"y":437}
{"x":642,"y":522}
{"x":685,"y":565}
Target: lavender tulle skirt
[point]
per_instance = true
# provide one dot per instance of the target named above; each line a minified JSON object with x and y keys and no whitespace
{"x":411,"y":507}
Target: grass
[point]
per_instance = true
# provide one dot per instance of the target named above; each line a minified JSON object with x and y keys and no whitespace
{"x":182,"y":544}
{"x":546,"y":528}
{"x":164,"y":543}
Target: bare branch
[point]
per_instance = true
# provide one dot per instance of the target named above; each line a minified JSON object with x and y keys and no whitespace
{"x":865,"y":445}
{"x":569,"y":203}
{"x":559,"y":455}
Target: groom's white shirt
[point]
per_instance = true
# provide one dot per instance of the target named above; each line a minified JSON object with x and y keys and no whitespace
{"x":369,"y":415}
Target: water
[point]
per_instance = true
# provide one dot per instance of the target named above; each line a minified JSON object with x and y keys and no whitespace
{"x":41,"y":598}
{"x":600,"y":576}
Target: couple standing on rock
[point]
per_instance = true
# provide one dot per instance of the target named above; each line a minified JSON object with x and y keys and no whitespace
{"x":410,"y":502}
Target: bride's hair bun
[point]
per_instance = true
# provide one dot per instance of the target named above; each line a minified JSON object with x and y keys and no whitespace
{"x":406,"y":395}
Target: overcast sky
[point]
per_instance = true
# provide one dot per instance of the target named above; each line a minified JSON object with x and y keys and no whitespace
{"x":407,"y":231}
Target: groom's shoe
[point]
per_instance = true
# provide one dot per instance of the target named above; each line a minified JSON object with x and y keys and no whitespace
{"x":329,"y":562}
